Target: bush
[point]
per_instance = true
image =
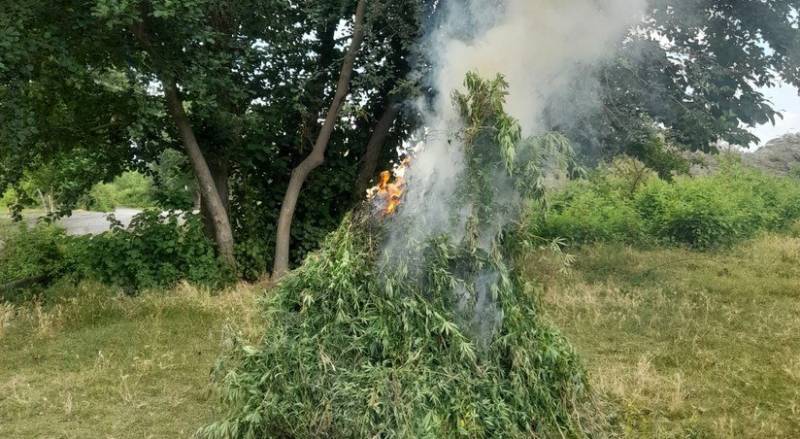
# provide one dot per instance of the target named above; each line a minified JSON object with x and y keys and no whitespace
{"x":130,"y":189}
{"x":597,"y":209}
{"x":7,"y":199}
{"x":583,"y":216}
{"x":703,"y":212}
{"x":154,"y":252}
{"x":693,"y":214}
{"x":31,"y":254}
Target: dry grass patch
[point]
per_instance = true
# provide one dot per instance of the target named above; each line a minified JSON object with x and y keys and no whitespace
{"x":97,"y":364}
{"x":683,"y":343}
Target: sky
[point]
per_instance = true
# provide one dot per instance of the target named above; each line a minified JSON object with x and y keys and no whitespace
{"x":786,"y":100}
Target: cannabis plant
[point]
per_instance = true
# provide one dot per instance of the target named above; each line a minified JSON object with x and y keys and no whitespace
{"x":446,"y":344}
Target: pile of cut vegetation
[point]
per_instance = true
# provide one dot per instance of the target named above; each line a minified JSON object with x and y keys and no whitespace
{"x":434,"y":338}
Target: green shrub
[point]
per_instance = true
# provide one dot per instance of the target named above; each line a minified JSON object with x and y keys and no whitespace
{"x":7,"y":199}
{"x":36,"y":254}
{"x":155,"y":252}
{"x":130,"y":189}
{"x":692,"y":214}
{"x":721,"y":209}
{"x":703,"y":212}
{"x":598,"y":209}
{"x":584,"y":216}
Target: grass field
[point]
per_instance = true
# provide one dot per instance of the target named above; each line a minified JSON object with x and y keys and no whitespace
{"x":100,"y":366}
{"x":677,"y":343}
{"x":684,"y":344}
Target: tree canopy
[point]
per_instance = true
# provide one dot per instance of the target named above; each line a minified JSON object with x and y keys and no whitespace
{"x":695,"y":69}
{"x":85,"y":91}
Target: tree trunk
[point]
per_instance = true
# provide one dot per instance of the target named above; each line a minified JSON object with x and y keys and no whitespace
{"x":317,"y":155}
{"x":369,"y":162}
{"x":220,"y":172}
{"x":223,"y":235}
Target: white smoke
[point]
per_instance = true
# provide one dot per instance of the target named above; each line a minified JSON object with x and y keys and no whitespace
{"x":546,"y":49}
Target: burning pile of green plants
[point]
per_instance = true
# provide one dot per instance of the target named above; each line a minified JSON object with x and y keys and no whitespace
{"x":433,"y":338}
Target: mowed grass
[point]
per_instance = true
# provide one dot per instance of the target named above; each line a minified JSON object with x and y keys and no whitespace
{"x":106,"y":366}
{"x":677,"y":344}
{"x":685,"y":344}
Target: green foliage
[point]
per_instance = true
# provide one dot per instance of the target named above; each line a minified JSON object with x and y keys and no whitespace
{"x":154,"y":252}
{"x":366,"y":340}
{"x":703,"y":212}
{"x":254,"y":77}
{"x":32,"y":253}
{"x":654,"y":151}
{"x":130,"y":189}
{"x":584,"y":215}
{"x":409,"y":367}
{"x":494,"y":145}
{"x":705,"y":84}
{"x":7,"y":198}
{"x":174,"y":186}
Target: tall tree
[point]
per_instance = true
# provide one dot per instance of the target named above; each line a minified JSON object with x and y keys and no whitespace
{"x":693,"y":71}
{"x":317,"y":156}
{"x":205,"y":54}
{"x":280,"y":143}
{"x":223,"y":234}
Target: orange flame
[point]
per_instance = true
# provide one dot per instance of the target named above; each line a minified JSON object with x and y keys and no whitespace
{"x":388,"y":194}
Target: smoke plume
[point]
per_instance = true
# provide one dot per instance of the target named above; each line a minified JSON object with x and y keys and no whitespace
{"x":547,"y":50}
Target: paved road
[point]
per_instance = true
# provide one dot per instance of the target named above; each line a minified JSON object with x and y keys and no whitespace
{"x":93,"y":223}
{"x":89,"y":223}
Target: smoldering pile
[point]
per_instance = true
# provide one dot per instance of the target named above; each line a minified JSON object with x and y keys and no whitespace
{"x":435,"y":338}
{"x":412,"y":322}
